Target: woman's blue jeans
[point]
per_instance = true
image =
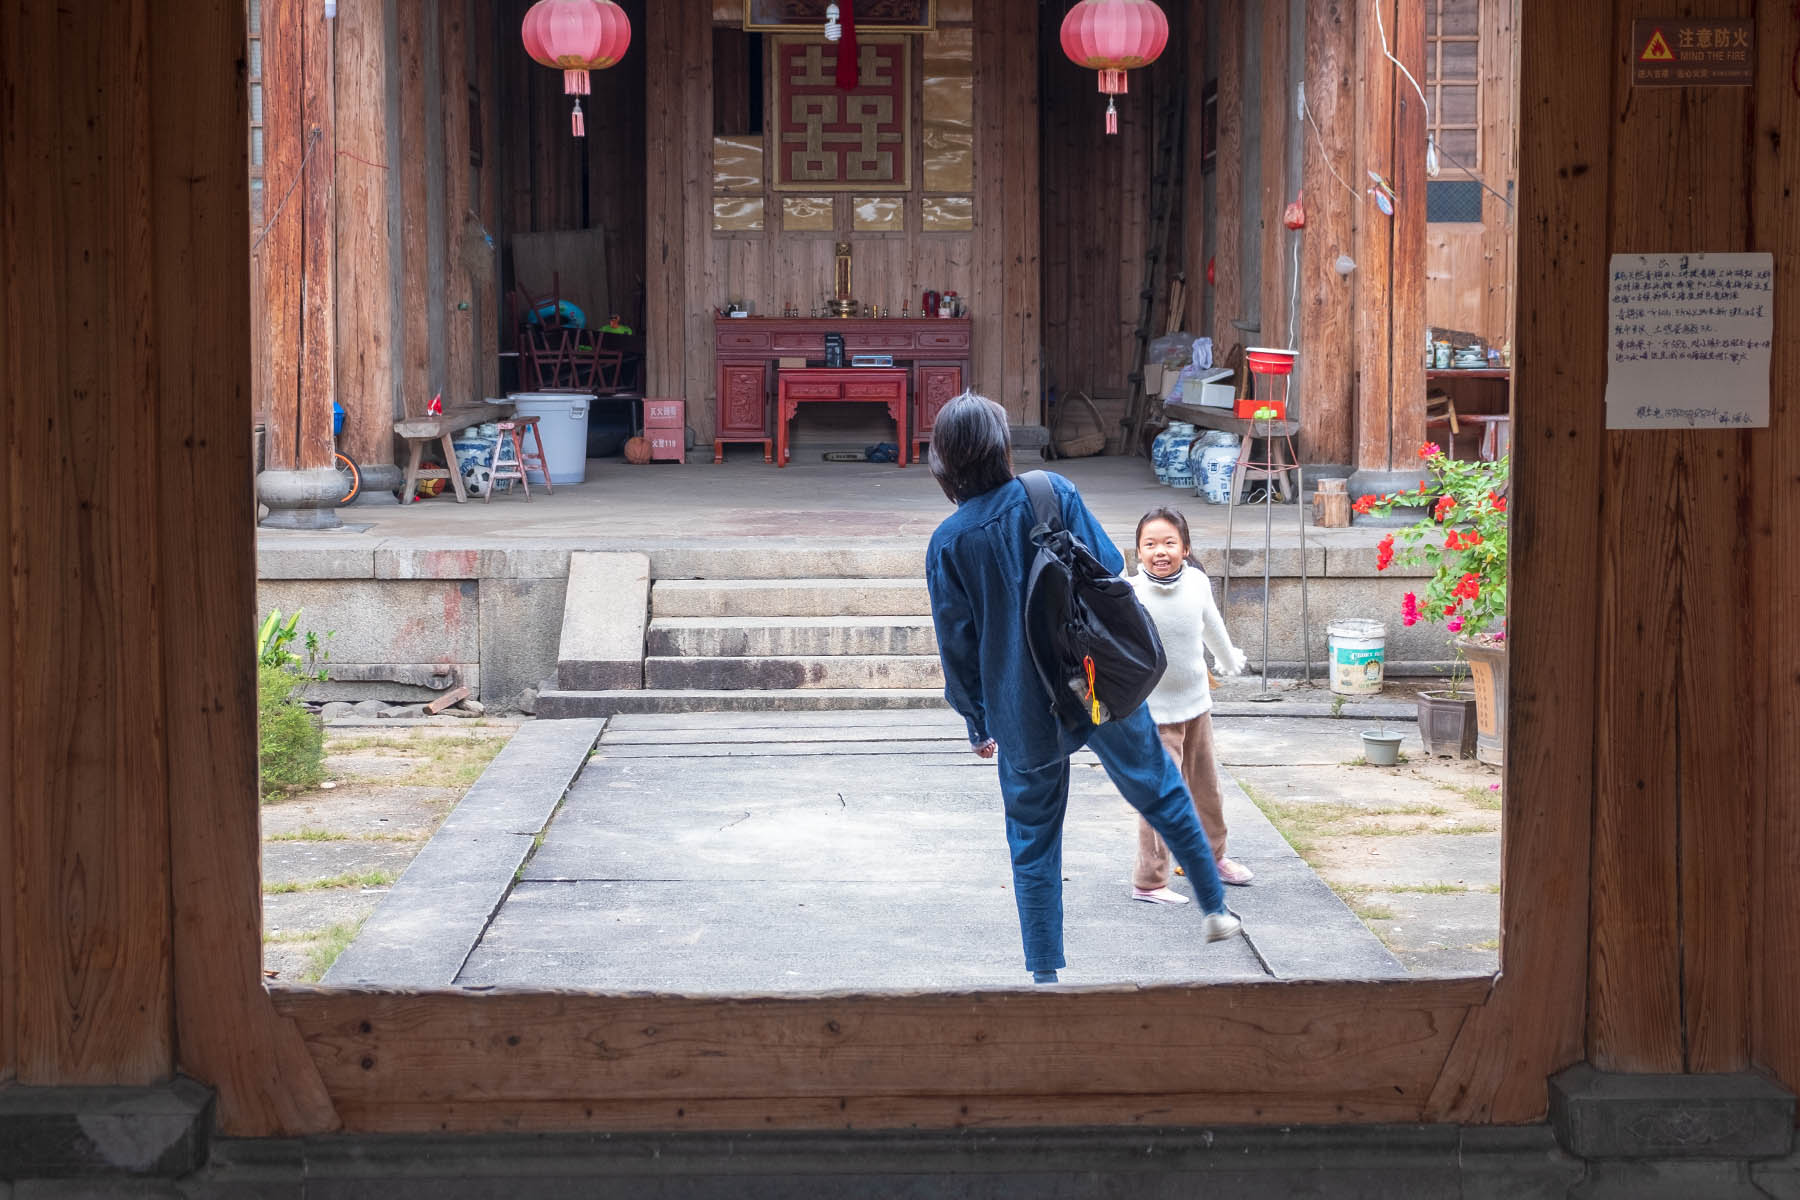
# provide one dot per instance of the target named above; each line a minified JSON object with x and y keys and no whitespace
{"x":1037,"y":797}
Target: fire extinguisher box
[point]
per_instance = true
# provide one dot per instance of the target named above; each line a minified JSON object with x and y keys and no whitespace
{"x":665,"y":414}
{"x":667,"y":445}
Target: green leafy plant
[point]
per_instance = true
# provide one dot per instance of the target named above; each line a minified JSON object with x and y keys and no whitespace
{"x":1463,"y":541}
{"x":274,"y":646}
{"x":290,"y":740}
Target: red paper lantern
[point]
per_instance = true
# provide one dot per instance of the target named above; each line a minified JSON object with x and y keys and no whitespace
{"x":1112,"y":37}
{"x":579,"y":36}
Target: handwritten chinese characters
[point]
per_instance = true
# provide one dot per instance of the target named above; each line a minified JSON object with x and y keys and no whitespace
{"x":1690,"y":341}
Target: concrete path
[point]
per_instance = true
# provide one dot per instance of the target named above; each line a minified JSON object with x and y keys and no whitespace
{"x":732,"y":853}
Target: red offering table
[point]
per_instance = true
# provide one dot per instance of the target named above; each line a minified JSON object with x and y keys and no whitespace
{"x":857,"y":385}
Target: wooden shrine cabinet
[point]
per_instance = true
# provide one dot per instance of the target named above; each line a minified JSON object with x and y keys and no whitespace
{"x":934,"y":351}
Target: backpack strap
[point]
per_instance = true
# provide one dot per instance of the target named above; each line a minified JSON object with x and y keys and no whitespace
{"x":1043,"y":500}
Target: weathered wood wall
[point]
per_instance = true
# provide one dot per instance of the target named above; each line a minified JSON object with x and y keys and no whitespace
{"x":693,"y":271}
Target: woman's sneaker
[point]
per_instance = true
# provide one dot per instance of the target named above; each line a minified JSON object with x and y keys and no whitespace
{"x":1234,"y":873}
{"x":1221,"y":925}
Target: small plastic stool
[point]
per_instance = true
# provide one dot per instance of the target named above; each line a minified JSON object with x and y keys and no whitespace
{"x":513,"y":431}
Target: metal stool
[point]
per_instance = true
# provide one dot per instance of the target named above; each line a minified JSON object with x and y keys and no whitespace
{"x":512,"y":432}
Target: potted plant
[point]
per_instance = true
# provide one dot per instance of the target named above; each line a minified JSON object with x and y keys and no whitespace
{"x":1463,"y":539}
{"x":1381,"y":748}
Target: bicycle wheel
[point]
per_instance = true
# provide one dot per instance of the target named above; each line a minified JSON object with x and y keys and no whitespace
{"x":351,"y":477}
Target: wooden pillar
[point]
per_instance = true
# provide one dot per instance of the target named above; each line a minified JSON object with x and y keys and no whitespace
{"x":1674,"y":806}
{"x":1374,"y":244}
{"x":666,"y":197}
{"x":365,"y":309}
{"x":1406,"y":375}
{"x":88,"y":987}
{"x":415,"y":296}
{"x":487,"y":36}
{"x":1021,"y":284}
{"x":1327,"y":323}
{"x":1275,"y":111}
{"x":1228,"y":269}
{"x":1193,"y":52}
{"x":459,"y":280}
{"x":279,"y":241}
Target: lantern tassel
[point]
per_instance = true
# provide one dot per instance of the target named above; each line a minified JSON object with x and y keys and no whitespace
{"x":575,"y":83}
{"x":1112,"y":117}
{"x":577,"y":123}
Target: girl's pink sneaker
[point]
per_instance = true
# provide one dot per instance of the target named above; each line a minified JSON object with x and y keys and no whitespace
{"x":1234,"y":873}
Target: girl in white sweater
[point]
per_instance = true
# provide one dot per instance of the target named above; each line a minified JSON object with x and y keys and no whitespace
{"x":1178,"y":596}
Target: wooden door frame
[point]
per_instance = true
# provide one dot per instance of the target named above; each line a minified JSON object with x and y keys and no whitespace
{"x":289,"y":1060}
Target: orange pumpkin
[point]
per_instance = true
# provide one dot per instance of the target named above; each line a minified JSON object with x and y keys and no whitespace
{"x":637,"y":450}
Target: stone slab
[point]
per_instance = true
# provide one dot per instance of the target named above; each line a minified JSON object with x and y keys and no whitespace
{"x":300,"y":862}
{"x":1284,"y":741}
{"x":1609,"y":1115}
{"x":556,"y":703}
{"x":316,"y":556}
{"x":521,"y":625}
{"x":424,"y":930}
{"x":1439,"y":921}
{"x":158,"y":1132}
{"x":1470,"y":859}
{"x":605,"y":610}
{"x":384,"y":621}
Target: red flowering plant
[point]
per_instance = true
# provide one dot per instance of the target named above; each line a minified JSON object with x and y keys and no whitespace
{"x":1463,"y":541}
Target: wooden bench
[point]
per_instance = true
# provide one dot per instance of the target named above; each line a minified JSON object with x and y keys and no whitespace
{"x":441,"y":429}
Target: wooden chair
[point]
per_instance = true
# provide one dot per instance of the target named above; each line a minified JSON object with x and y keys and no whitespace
{"x":555,"y":356}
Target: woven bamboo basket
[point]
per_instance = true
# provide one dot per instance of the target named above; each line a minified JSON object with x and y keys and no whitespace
{"x":1084,"y":443}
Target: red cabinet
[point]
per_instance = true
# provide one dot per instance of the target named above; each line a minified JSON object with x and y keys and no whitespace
{"x":934,"y":385}
{"x":743,"y":409}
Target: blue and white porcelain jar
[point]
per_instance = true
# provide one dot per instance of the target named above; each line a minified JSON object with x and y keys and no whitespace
{"x":1159,"y":455}
{"x":1180,"y":471}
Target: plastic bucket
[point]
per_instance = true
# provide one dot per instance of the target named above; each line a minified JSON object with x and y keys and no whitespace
{"x":562,"y":423}
{"x":1358,"y":651}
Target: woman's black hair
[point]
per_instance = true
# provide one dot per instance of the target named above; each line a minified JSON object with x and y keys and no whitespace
{"x":1174,"y":517}
{"x":971,"y":447}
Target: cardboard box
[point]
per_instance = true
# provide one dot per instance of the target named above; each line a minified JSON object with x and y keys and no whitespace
{"x":1153,"y":379}
{"x":665,"y":414}
{"x":791,"y":364}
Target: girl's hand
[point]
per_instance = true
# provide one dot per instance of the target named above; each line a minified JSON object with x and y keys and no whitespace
{"x":1234,"y":663}
{"x":986,"y":749}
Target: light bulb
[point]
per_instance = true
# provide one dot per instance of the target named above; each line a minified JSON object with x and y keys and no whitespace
{"x":1344,"y":264}
{"x":1431,"y":158}
{"x":833,"y":30}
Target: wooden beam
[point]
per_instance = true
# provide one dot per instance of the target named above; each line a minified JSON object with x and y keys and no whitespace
{"x":79,"y":377}
{"x":365,"y":296}
{"x":1228,"y":267}
{"x":1193,"y":196}
{"x":227,"y":1031}
{"x":1327,"y":321}
{"x":1375,"y":1049}
{"x":1535,"y":1023}
{"x":415,"y":292}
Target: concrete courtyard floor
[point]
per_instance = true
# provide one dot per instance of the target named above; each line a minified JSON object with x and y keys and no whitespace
{"x":759,"y":853}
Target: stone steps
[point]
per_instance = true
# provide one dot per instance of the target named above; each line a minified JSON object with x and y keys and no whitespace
{"x":902,"y":596}
{"x":778,"y":672}
{"x":558,"y":704}
{"x":761,"y":637}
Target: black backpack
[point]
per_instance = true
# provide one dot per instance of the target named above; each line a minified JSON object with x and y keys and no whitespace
{"x":1094,"y":646}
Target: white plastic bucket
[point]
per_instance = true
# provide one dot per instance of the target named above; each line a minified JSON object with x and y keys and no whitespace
{"x":1358,"y":651}
{"x":562,"y":423}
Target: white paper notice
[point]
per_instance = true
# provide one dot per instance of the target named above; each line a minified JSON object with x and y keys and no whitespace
{"x":1691,"y":338}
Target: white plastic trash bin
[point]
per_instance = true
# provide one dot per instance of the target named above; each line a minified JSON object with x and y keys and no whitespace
{"x":562,"y":423}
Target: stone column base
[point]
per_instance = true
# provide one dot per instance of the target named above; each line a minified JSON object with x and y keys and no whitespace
{"x":300,"y":499}
{"x":1650,"y":1137}
{"x":380,"y":483}
{"x":1382,"y":483}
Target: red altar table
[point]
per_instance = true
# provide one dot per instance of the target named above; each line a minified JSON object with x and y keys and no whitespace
{"x":857,"y":385}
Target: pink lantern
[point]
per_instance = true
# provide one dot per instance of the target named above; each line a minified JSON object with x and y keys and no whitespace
{"x":1112,"y":37}
{"x":579,"y":36}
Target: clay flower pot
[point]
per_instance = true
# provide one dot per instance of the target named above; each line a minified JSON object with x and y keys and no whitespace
{"x":1487,"y":674}
{"x":1447,"y":724}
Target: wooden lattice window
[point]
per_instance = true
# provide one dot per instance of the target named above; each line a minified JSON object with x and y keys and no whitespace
{"x":254,"y":60}
{"x":1453,"y":79}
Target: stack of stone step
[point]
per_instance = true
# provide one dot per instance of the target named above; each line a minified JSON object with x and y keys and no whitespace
{"x":775,"y":644}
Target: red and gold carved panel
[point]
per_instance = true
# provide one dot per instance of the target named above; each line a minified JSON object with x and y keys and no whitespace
{"x":936,"y":385}
{"x":743,"y":399}
{"x":827,"y":140}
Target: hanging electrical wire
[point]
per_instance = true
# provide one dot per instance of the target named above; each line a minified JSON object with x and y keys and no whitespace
{"x":1324,"y":155}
